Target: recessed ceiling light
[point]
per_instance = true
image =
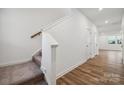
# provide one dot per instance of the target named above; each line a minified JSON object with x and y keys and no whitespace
{"x":106,"y":22}
{"x":100,"y":9}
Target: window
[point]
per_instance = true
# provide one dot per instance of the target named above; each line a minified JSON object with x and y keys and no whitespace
{"x":119,"y":40}
{"x":114,"y":40}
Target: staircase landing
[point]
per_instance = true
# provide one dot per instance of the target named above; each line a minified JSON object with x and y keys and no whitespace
{"x":22,"y":74}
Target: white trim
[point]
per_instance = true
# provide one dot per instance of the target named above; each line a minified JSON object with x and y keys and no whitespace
{"x":69,"y":69}
{"x":14,"y":62}
{"x":36,"y":51}
{"x":49,"y":45}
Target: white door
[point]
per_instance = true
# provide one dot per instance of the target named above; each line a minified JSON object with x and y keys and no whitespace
{"x":88,"y":44}
{"x":122,"y":40}
{"x":122,"y":46}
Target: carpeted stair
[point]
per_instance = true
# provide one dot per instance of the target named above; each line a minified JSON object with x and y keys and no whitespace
{"x":28,"y":73}
{"x":37,"y":58}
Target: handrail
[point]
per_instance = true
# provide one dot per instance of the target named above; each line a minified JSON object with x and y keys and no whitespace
{"x":34,"y":35}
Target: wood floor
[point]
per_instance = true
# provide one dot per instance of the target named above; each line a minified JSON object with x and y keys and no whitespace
{"x":105,"y":69}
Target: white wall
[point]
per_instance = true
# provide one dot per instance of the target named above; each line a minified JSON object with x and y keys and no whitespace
{"x":71,"y":35}
{"x":0,"y":27}
{"x":16,"y":27}
{"x":103,"y":42}
{"x":123,"y":38}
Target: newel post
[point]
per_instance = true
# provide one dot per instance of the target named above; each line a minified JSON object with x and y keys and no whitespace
{"x":49,"y":45}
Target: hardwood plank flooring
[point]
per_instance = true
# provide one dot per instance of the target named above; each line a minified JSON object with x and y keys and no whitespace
{"x":104,"y":69}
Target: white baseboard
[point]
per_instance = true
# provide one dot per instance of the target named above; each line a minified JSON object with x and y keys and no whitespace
{"x":70,"y":69}
{"x":36,"y":51}
{"x":3,"y":64}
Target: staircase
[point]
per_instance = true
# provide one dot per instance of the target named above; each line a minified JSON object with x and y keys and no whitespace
{"x":28,"y":73}
{"x":37,"y":58}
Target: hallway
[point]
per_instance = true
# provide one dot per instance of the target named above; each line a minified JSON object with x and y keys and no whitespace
{"x":58,"y":40}
{"x":105,"y":69}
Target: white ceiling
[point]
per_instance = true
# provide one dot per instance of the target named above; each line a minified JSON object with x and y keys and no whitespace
{"x":112,"y":15}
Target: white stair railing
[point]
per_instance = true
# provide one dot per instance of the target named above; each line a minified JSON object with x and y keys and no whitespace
{"x":49,"y":46}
